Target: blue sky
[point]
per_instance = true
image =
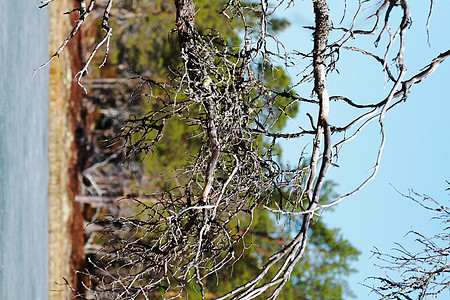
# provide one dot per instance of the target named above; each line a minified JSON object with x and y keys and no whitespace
{"x":417,"y":142}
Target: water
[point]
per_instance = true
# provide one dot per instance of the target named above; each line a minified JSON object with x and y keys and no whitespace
{"x":23,"y":151}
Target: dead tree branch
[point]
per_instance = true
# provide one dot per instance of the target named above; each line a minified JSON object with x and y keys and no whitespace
{"x":422,"y":274}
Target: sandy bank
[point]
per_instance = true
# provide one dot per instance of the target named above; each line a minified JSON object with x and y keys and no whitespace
{"x":65,"y":215}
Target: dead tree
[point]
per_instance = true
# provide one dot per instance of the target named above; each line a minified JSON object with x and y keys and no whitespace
{"x":194,"y":231}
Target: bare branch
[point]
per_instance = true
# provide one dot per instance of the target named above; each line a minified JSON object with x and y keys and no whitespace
{"x":425,"y":273}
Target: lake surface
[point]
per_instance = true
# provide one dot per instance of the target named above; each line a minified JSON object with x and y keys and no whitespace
{"x":23,"y":151}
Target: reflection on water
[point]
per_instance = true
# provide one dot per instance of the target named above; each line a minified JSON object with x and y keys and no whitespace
{"x":23,"y":151}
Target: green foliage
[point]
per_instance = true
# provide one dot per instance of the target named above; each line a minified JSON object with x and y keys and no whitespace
{"x":175,"y":150}
{"x":148,"y":44}
{"x":280,"y":107}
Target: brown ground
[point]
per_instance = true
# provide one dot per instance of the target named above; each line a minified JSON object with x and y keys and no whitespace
{"x":65,"y":221}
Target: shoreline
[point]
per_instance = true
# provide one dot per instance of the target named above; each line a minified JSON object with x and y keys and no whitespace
{"x":66,"y":228}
